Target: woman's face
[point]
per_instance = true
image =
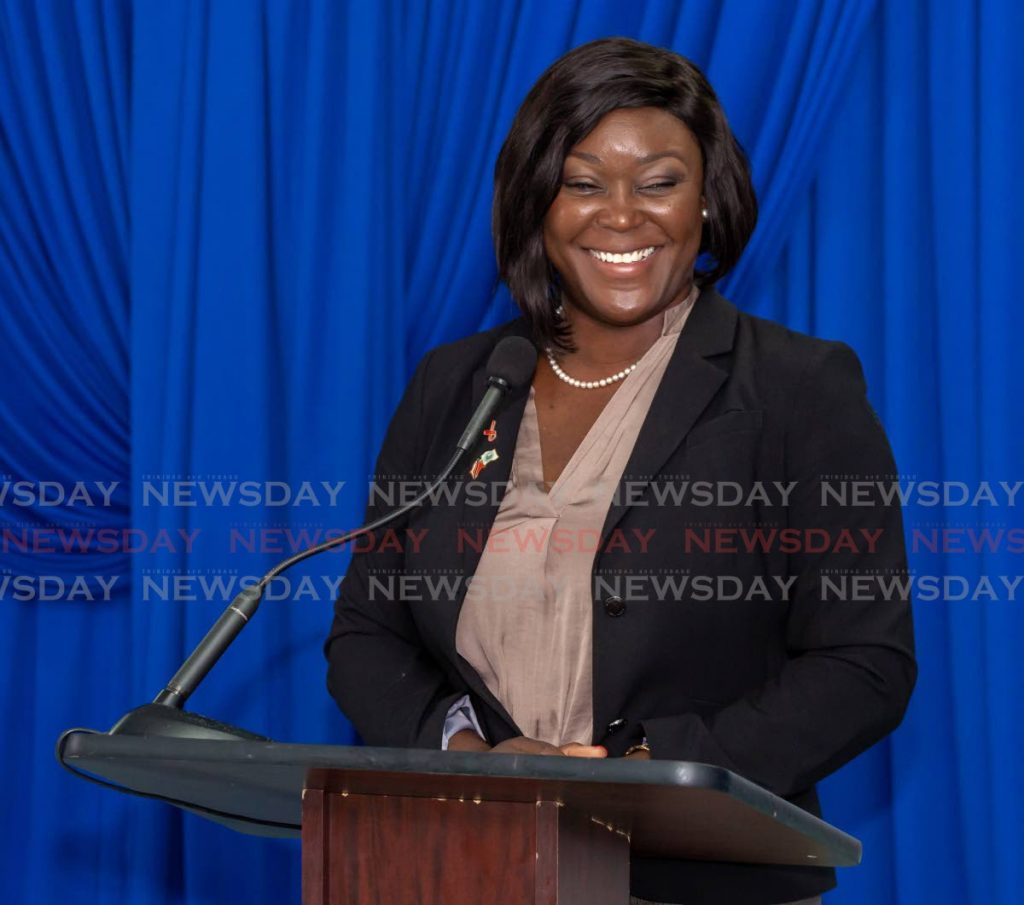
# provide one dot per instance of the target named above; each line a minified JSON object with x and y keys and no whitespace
{"x":632,"y":186}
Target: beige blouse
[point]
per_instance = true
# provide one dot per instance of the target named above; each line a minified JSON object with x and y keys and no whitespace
{"x":526,"y":623}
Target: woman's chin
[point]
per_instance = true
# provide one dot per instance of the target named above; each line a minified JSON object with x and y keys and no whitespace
{"x":617,"y":314}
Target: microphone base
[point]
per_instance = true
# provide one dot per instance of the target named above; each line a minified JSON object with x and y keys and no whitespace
{"x":164,"y":721}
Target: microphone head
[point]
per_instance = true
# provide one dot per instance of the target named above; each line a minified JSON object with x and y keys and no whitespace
{"x":512,"y":363}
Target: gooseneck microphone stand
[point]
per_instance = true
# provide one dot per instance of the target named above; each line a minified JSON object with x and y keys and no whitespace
{"x":510,"y":366}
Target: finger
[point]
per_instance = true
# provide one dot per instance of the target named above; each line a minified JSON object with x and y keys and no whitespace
{"x":575,"y":749}
{"x":525,"y":746}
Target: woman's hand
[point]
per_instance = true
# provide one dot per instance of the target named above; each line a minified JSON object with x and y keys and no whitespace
{"x":523,"y":745}
{"x":638,"y":755}
{"x":578,"y":749}
{"x":468,"y":740}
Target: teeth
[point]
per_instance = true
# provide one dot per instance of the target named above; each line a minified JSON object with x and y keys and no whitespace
{"x":631,"y":257}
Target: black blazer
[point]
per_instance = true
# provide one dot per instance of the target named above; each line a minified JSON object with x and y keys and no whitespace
{"x":781,"y":690}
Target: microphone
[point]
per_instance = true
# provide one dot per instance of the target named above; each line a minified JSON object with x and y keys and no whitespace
{"x":510,"y":367}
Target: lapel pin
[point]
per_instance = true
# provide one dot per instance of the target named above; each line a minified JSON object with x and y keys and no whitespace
{"x":491,"y":433}
{"x":482,"y":462}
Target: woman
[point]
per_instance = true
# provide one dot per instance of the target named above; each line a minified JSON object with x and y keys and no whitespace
{"x":645,"y":585}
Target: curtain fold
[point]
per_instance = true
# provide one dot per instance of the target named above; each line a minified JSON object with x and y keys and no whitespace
{"x":915,"y":220}
{"x":229,"y":230}
{"x":64,"y":412}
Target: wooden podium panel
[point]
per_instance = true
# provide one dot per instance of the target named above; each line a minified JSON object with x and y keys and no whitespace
{"x":368,"y":849}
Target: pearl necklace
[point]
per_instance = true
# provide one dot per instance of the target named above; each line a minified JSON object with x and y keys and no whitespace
{"x":586,"y":384}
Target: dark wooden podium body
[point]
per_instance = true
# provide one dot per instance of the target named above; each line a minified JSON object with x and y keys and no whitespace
{"x":419,"y":827}
{"x":413,"y":849}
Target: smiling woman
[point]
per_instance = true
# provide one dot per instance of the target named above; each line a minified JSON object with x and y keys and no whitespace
{"x":621,"y":196}
{"x":615,"y":120}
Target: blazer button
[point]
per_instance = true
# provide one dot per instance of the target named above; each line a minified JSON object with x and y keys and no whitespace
{"x":615,"y":606}
{"x":615,"y":725}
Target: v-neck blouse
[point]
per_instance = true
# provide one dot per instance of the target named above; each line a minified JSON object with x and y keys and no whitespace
{"x":526,"y":622}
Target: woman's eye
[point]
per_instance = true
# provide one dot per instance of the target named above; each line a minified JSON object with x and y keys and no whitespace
{"x":579,"y":185}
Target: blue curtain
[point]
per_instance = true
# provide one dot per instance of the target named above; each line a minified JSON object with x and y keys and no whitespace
{"x":228,"y":230}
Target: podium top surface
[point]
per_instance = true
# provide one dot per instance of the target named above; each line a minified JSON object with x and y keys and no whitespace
{"x":668,"y":808}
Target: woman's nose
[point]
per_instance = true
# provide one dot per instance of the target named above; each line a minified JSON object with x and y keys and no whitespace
{"x":621,"y":210}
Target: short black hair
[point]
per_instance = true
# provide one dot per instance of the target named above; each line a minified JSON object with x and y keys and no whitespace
{"x":561,"y":109}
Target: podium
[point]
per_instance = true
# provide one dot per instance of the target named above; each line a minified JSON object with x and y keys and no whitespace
{"x":421,"y":827}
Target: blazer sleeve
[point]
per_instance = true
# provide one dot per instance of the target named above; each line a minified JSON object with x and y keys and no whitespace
{"x":379,"y":672}
{"x":850,"y":665}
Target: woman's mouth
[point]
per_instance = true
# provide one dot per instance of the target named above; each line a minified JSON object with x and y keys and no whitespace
{"x":628,"y":257}
{"x":622,"y":263}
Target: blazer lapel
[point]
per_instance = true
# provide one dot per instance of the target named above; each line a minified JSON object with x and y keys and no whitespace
{"x":689,"y":383}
